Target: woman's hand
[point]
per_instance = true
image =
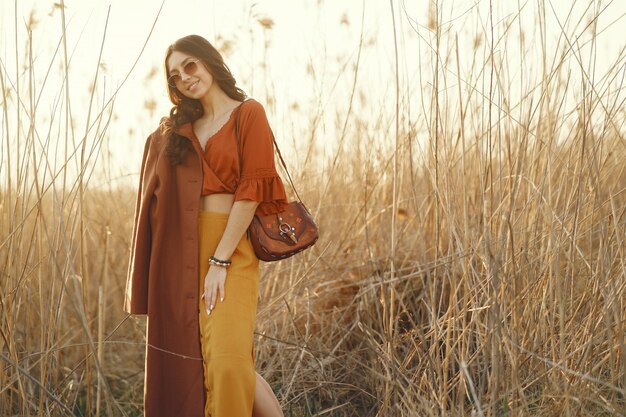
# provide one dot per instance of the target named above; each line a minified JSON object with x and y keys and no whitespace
{"x":238,"y":220}
{"x":214,"y":285}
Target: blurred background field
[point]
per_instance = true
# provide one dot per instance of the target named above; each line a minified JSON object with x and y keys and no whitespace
{"x":464,"y":161}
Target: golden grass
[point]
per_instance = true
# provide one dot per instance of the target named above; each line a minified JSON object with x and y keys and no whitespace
{"x":475,"y":268}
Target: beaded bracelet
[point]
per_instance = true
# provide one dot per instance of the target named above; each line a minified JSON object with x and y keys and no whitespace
{"x":219,"y":262}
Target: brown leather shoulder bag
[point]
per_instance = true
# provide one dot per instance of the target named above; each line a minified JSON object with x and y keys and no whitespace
{"x":281,"y":235}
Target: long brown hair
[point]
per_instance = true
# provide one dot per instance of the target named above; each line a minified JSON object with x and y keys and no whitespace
{"x":187,"y":110}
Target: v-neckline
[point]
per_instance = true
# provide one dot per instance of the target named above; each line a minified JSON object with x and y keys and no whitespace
{"x":230,"y":116}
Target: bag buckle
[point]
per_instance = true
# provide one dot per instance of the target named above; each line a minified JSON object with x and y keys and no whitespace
{"x":287,"y":230}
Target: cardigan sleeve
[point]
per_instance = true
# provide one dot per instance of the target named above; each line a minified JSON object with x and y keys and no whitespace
{"x":136,"y":295}
{"x":259,"y":179}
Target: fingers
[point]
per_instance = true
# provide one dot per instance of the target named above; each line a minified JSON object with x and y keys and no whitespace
{"x":207,"y":298}
{"x":213,"y":287}
{"x":212,"y":297}
{"x":221,"y":289}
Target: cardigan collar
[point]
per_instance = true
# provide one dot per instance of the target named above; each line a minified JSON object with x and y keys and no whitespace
{"x":186,"y":130}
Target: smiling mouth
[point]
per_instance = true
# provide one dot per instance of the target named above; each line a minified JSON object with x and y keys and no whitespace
{"x":193,"y":85}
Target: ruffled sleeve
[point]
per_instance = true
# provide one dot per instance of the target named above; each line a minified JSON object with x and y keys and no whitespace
{"x":259,"y":179}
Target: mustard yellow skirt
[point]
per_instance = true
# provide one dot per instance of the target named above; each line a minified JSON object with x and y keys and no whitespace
{"x":227,"y":333}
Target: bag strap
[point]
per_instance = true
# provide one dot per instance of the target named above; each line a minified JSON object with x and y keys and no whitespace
{"x":276,"y":149}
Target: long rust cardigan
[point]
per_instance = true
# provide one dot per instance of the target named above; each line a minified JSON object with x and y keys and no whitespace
{"x":165,"y":249}
{"x":163,"y":271}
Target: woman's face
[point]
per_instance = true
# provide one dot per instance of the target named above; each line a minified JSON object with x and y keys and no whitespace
{"x":189,"y":75}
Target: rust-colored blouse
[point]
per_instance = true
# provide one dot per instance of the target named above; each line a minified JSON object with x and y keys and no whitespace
{"x":259,"y":180}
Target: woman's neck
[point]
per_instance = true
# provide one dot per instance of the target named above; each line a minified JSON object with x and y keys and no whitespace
{"x":215,"y":103}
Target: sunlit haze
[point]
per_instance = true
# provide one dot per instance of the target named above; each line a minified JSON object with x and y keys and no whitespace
{"x":293,"y":56}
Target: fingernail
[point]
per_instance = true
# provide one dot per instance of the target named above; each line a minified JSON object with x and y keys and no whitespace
{"x":211,"y":307}
{"x":208,"y":312}
{"x":221,"y":298}
{"x":202,"y":296}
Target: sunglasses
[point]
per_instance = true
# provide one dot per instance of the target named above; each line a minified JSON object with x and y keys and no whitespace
{"x":189,"y":68}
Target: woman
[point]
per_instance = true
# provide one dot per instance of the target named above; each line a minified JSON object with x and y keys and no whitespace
{"x":192,"y":269}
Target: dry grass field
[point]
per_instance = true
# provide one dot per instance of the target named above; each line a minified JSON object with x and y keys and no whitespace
{"x":473,"y":263}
